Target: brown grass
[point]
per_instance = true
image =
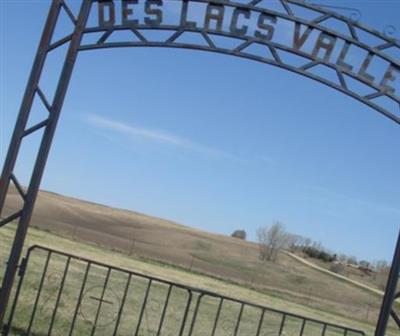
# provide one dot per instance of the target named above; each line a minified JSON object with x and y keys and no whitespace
{"x":218,"y":256}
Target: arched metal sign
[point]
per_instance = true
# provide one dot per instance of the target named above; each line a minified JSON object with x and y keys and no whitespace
{"x":295,"y":35}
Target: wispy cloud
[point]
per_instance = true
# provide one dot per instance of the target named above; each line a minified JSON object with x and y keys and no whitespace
{"x":156,"y":136}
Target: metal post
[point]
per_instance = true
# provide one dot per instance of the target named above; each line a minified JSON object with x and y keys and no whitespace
{"x":27,"y":100}
{"x":390,"y":293}
{"x":45,"y":143}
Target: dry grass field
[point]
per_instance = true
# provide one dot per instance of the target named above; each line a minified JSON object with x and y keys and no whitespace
{"x":165,"y":249}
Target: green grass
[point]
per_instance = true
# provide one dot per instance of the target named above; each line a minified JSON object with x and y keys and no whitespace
{"x":107,"y":316}
{"x":136,"y":291}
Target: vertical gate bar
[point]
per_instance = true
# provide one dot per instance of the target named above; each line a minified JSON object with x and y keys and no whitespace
{"x":196,"y":310}
{"x":390,"y":293}
{"x":128,"y":282}
{"x":282,"y":324}
{"x":27,"y":100}
{"x":101,"y":301}
{"x":143,"y":307}
{"x":185,"y":315}
{"x":42,"y":155}
{"x":260,"y":323}
{"x":78,"y":304}
{"x":59,"y":296}
{"x":303,"y":326}
{"x":164,"y":310}
{"x":239,"y":319}
{"x":38,"y":293}
{"x":217,"y":317}
{"x":23,"y":265}
{"x":324,"y":329}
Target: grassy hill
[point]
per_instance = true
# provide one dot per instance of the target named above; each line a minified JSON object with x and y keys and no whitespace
{"x":217,"y":256}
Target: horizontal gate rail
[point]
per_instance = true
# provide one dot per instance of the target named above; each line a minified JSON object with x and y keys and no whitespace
{"x":63,"y":294}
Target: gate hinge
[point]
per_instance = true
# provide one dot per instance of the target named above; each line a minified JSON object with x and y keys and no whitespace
{"x":22,"y":267}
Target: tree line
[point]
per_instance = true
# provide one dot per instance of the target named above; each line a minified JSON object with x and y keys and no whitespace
{"x":273,"y":239}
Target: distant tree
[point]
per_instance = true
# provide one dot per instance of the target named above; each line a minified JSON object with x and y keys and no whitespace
{"x":271,"y":240}
{"x":380,"y":265}
{"x":316,"y":251}
{"x":381,"y":278}
{"x":302,"y":241}
{"x":382,"y":269}
{"x":317,"y":246}
{"x":352,"y":260}
{"x":294,"y":241}
{"x":307,"y":242}
{"x":342,"y":258}
{"x":364,"y":264}
{"x":239,"y":234}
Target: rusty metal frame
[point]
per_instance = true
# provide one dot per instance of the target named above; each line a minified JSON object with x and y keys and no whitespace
{"x":76,"y":44}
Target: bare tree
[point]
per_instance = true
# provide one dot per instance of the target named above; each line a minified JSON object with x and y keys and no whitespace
{"x":352,"y":260}
{"x":307,"y":242}
{"x":364,"y":263}
{"x":271,"y":240}
{"x":294,"y":241}
{"x":381,"y":265}
{"x":342,"y":258}
{"x":382,"y":269}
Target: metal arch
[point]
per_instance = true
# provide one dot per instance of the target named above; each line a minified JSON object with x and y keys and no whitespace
{"x":74,"y":40}
{"x":339,"y":83}
{"x":238,"y":51}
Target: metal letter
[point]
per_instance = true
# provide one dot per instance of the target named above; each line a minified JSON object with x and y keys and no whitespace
{"x":341,"y":60}
{"x":184,"y":22}
{"x":111,"y":14}
{"x":127,"y":11}
{"x":156,"y":12}
{"x":298,"y":41}
{"x":234,"y":22}
{"x":390,"y":77}
{"x":327,"y":42}
{"x":364,"y":67}
{"x":262,"y":25}
{"x":216,"y":13}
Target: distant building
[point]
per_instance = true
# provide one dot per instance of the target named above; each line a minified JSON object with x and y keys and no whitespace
{"x":239,"y":234}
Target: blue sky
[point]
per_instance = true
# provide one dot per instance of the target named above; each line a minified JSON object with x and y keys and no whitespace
{"x":214,"y":142}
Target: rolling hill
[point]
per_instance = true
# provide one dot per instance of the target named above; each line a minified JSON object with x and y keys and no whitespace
{"x":216,"y":255}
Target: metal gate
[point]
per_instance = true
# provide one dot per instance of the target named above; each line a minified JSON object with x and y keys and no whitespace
{"x":62,"y":294}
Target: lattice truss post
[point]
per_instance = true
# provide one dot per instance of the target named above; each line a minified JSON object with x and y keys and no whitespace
{"x":48,"y":125}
